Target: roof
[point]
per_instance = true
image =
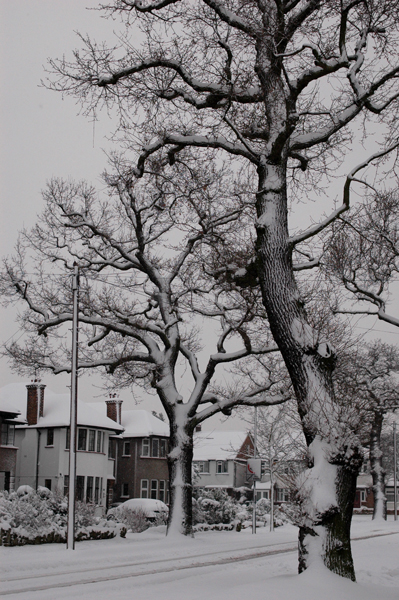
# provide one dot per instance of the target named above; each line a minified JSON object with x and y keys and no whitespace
{"x":57,"y":409}
{"x":141,"y":423}
{"x":9,"y":410}
{"x":218,"y":445}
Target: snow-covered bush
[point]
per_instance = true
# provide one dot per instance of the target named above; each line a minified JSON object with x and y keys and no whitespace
{"x":134,"y":519}
{"x":29,"y":516}
{"x":214,"y":506}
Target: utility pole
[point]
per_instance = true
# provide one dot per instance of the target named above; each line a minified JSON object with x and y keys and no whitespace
{"x":73,"y":419}
{"x":255,"y":446}
{"x":395,"y":482}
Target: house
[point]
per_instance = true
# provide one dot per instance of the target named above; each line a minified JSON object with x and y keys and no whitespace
{"x":220,"y":458}
{"x":43,"y":442}
{"x":364,"y":498}
{"x":140,"y":454}
{"x":9,"y":416}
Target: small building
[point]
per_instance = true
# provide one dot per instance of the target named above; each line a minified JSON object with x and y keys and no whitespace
{"x":9,"y":417}
{"x":364,"y":498}
{"x":140,"y":454}
{"x":43,"y":442}
{"x":220,"y":458}
{"x":390,"y":495}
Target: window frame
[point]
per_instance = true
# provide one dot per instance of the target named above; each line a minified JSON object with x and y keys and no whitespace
{"x":7,"y":434}
{"x":154,"y":489}
{"x":126,"y":446}
{"x":125,"y":490}
{"x":50,"y":437}
{"x":145,"y":444}
{"x":144,"y":488}
{"x":224,"y":467}
{"x":84,"y":437}
{"x":163,"y":449}
{"x":155,"y":447}
{"x":162,"y":490}
{"x":90,"y":489}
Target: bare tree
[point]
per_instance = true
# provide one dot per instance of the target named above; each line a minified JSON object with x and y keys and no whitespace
{"x":363,"y":255}
{"x":141,"y":248}
{"x":274,"y":85}
{"x":369,"y":382}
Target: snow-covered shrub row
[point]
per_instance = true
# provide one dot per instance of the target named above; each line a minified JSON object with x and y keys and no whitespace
{"x":215,"y":506}
{"x":36,"y":517}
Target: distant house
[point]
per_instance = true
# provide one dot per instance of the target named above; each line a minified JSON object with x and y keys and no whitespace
{"x":390,"y":495}
{"x":9,"y":416}
{"x":364,"y":498}
{"x":43,"y":442}
{"x":141,"y":469}
{"x":220,"y":458}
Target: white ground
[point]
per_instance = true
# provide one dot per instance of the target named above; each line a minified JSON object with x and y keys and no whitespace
{"x":213,"y":566}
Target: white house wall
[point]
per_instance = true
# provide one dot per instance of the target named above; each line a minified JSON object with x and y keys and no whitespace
{"x":54,"y":460}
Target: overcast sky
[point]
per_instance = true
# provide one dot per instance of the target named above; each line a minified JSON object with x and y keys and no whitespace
{"x":43,"y":136}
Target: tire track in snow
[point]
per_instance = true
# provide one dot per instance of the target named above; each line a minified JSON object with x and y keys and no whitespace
{"x":156,"y":571}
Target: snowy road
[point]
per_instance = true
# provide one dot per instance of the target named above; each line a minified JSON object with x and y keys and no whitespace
{"x":225,"y":563}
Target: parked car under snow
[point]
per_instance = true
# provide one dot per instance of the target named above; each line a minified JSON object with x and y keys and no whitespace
{"x":152,"y":508}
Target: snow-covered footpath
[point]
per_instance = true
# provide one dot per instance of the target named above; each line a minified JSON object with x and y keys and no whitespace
{"x":214,"y":565}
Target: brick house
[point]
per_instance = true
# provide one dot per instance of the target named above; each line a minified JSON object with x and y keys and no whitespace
{"x":9,"y":417}
{"x":140,"y":454}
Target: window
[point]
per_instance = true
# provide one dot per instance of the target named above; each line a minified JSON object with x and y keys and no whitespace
{"x":154,"y":489}
{"x":125,"y":489}
{"x":7,"y":434}
{"x":282,"y":495}
{"x":111,"y":448}
{"x":162,"y":490}
{"x":99,"y":441}
{"x":97,"y":496}
{"x":47,"y":484}
{"x":50,"y":437}
{"x":162,"y":448}
{"x":203,"y":466}
{"x":89,"y":489}
{"x":363,"y":496}
{"x":92,"y":440}
{"x":82,"y":439}
{"x":66,"y":485}
{"x":155,"y":447}
{"x":126,"y":448}
{"x":262,"y":494}
{"x":80,"y":487}
{"x":145,"y":448}
{"x":221,"y":466}
{"x":144,"y":488}
{"x":67,"y":438}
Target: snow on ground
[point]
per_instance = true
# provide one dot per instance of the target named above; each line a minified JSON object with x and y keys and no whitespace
{"x":214,"y":565}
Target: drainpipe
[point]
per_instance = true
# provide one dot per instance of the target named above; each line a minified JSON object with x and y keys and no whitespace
{"x":39,"y":433}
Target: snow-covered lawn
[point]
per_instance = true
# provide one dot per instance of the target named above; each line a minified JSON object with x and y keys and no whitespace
{"x":214,"y":566}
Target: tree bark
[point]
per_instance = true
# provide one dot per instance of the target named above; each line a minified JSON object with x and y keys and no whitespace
{"x":377,"y":471}
{"x":180,"y":457}
{"x":310,"y":363}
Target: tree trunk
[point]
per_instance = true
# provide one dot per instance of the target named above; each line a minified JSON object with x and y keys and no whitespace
{"x":334,"y":451}
{"x":377,"y":471}
{"x":180,"y":478}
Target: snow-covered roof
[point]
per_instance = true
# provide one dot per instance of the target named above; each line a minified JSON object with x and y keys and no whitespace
{"x":218,"y":445}
{"x":57,"y":408}
{"x":141,"y":423}
{"x":7,"y":406}
{"x":364,"y":480}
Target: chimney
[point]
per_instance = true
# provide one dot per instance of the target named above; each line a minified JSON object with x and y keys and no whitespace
{"x":114,"y":408}
{"x":35,"y":401}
